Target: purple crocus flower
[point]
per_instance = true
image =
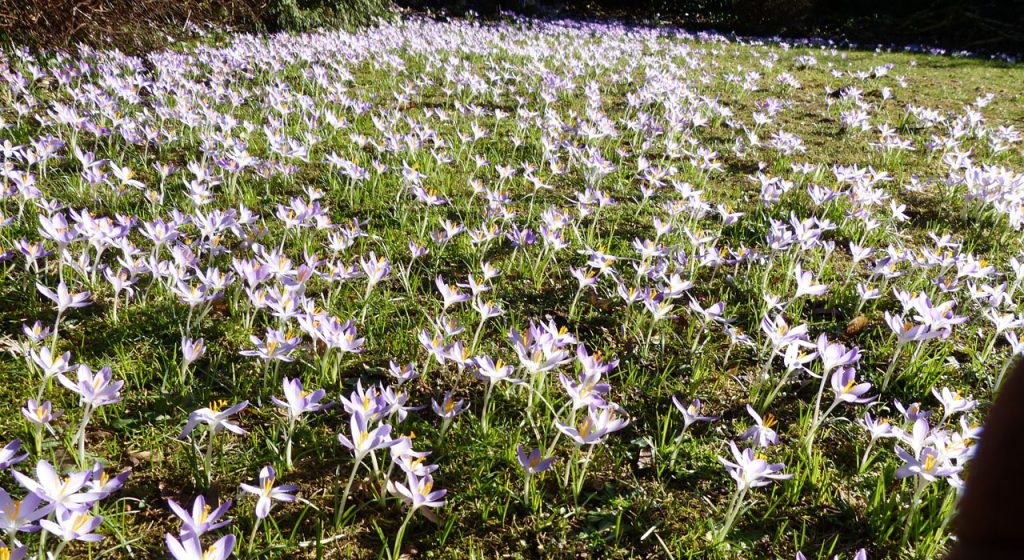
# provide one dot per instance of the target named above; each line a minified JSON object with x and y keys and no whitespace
{"x":74,"y":526}
{"x":267,"y":492}
{"x":191,"y":350}
{"x":691,"y":412}
{"x":532,"y":462}
{"x":420,"y":493}
{"x":805,"y":285}
{"x":62,"y":492}
{"x":834,"y":354}
{"x":929,"y":464}
{"x":103,"y":485}
{"x":95,"y":389}
{"x":17,"y":553}
{"x":761,"y":433}
{"x":189,"y":548}
{"x":202,"y":519}
{"x":844,"y":383}
{"x":297,"y":401}
{"x":750,"y":470}
{"x":365,"y":440}
{"x":9,"y":454}
{"x":19,"y":516}
{"x":216,"y":417}
{"x":63,"y":298}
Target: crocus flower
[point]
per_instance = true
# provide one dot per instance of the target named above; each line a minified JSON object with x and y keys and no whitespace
{"x":492,"y":372}
{"x":17,"y":553}
{"x":19,"y":516}
{"x":375,"y":270}
{"x":835,"y":355}
{"x":599,"y":422}
{"x":750,"y":470}
{"x":532,"y":462}
{"x":538,"y":350}
{"x":691,"y":413}
{"x":191,"y":350}
{"x":584,"y":391}
{"x":40,"y":415}
{"x":363,"y":439}
{"x":297,"y":401}
{"x":216,"y":417}
{"x":95,"y":389}
{"x":952,"y":402}
{"x":876,"y":427}
{"x":907,"y":332}
{"x":761,"y":433}
{"x":51,"y":363}
{"x":805,"y":285}
{"x":63,"y":298}
{"x":9,"y":454}
{"x":912,"y":412}
{"x":277,"y":346}
{"x":450,"y":294}
{"x":844,"y":383}
{"x":62,"y":492}
{"x":267,"y":492}
{"x":103,"y":485}
{"x":434,"y":345}
{"x":189,"y":548}
{"x":202,"y":519}
{"x":448,"y":408}
{"x":781,"y":334}
{"x":929,"y":464}
{"x":37,"y":332}
{"x":420,"y":493}
{"x":74,"y":526}
{"x":402,"y":373}
{"x":487,"y":309}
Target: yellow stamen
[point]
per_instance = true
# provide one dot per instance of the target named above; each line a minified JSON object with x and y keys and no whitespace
{"x":203,"y":516}
{"x":585,"y":427}
{"x":80,"y":520}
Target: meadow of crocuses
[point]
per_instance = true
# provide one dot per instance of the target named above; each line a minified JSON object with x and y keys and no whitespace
{"x":529,"y":289}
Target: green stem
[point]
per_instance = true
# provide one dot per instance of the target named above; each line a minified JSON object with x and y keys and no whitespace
{"x":476,"y":337}
{"x":252,"y":535}
{"x":80,"y":437}
{"x":921,"y":484}
{"x":892,"y":366}
{"x":60,"y":548}
{"x":734,"y":507}
{"x":344,"y":495}
{"x":483,"y":411}
{"x":401,"y":534}
{"x":288,"y":444}
{"x":583,"y":474}
{"x":208,"y":458}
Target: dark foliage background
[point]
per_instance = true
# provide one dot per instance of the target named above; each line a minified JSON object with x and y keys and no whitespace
{"x":139,"y":25}
{"x":979,"y":25}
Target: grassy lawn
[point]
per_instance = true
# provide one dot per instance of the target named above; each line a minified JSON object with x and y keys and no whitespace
{"x":309,"y":199}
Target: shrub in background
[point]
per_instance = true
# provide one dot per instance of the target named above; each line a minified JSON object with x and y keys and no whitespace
{"x":140,"y":25}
